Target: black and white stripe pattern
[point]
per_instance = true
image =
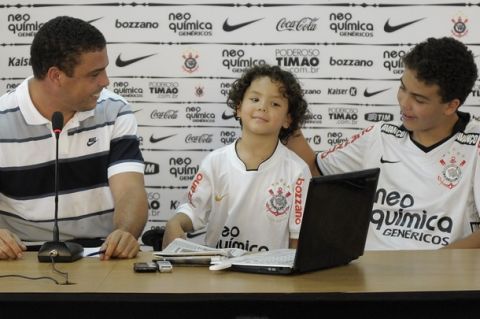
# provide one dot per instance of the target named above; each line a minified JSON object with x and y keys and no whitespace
{"x":93,"y":146}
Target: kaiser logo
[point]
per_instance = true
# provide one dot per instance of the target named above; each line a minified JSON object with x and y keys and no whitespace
{"x":16,"y":61}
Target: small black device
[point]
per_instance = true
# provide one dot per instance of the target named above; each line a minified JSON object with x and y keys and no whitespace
{"x":145,"y":267}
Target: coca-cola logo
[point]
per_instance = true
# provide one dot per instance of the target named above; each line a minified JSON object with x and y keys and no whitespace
{"x":304,"y":24}
{"x":164,"y":115}
{"x":204,"y":138}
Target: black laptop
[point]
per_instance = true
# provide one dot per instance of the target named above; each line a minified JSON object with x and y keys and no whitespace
{"x":333,"y":232}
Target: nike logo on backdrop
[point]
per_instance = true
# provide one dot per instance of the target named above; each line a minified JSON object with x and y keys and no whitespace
{"x":121,"y":63}
{"x":392,"y":28}
{"x":225,"y":116}
{"x":369,"y":94}
{"x":232,"y":27}
{"x":388,"y":162}
{"x":92,"y":21}
{"x":155,"y":140}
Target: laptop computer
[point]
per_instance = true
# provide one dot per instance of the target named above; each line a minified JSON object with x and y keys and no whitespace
{"x":333,"y":232}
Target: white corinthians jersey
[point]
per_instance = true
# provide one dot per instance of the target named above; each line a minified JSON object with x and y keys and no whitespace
{"x":255,"y":210}
{"x":424,"y":200}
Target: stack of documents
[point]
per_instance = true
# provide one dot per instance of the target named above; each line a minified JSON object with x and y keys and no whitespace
{"x":181,"y":251}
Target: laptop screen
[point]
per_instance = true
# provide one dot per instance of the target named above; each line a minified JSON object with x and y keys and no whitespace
{"x":336,"y":219}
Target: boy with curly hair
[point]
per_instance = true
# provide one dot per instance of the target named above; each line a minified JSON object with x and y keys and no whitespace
{"x":251,"y":194}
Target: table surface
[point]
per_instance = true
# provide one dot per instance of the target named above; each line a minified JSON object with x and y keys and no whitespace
{"x":375,"y":272}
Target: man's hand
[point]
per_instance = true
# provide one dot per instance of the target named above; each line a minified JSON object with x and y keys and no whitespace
{"x":11,"y":247}
{"x":120,"y":244}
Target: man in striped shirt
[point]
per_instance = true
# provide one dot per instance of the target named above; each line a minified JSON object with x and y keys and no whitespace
{"x":101,"y":183}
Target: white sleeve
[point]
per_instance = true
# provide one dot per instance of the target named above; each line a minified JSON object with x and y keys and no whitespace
{"x":300,"y":190}
{"x":349,"y":155}
{"x":476,"y":182}
{"x":199,"y":197}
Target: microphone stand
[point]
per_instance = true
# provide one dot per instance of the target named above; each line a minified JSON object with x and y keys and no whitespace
{"x":56,"y":250}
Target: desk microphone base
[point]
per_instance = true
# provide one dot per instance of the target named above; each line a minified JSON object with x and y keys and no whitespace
{"x":61,"y":252}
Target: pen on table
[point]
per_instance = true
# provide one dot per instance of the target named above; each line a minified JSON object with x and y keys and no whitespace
{"x":96,"y":253}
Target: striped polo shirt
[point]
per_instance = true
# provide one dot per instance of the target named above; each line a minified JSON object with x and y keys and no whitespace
{"x":93,"y":146}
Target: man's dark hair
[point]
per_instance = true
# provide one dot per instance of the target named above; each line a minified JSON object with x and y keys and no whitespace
{"x":445,"y":62}
{"x":290,"y":88}
{"x":60,"y":42}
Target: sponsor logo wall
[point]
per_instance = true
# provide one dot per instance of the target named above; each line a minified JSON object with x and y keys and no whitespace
{"x":175,"y":61}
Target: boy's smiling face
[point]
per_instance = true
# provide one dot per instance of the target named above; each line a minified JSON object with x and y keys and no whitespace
{"x":264,"y":108}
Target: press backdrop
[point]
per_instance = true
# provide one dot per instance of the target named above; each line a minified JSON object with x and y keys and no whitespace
{"x":174,"y":61}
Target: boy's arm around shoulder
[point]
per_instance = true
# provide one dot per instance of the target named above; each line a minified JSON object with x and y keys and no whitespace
{"x":299,"y":145}
{"x":176,"y":227}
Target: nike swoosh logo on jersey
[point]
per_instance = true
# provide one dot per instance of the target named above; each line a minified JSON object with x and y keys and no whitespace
{"x":392,"y":28}
{"x":388,"y":162}
{"x":232,"y":27}
{"x":193,"y":235}
{"x":370,"y":94}
{"x":156,"y":140}
{"x":122,"y":63}
{"x":227,"y":117}
{"x":218,"y":198}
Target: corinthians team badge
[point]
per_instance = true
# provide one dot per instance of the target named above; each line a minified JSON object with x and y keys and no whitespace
{"x":277,"y":205}
{"x":451,"y":171}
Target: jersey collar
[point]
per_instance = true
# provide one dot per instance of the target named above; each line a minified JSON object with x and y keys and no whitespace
{"x":32,"y":116}
{"x":460,"y":125}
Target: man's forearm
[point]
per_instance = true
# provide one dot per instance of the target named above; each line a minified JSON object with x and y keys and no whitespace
{"x":131,"y":205}
{"x":131,"y":213}
{"x":471,"y":241}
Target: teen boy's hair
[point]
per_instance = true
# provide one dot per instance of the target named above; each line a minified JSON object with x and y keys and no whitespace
{"x":446,"y":62}
{"x":291,"y":89}
{"x":60,"y":41}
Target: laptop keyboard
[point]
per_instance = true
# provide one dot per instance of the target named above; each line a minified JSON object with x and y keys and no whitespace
{"x":275,"y":257}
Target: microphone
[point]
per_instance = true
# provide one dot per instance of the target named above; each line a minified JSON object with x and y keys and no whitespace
{"x":154,"y":237}
{"x":57,"y":250}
